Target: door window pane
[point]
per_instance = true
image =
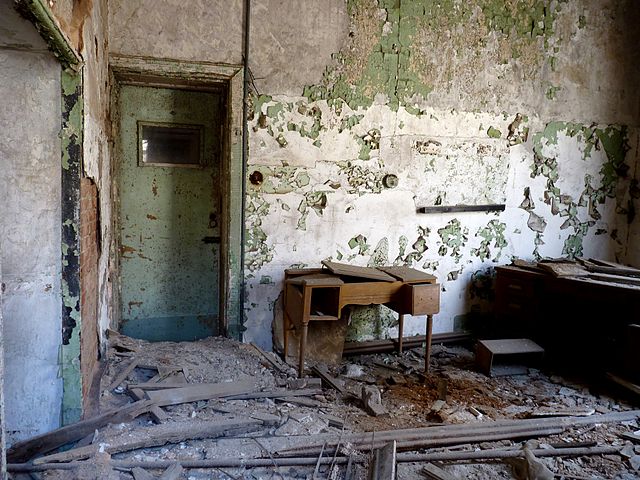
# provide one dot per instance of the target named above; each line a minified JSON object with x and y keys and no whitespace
{"x":170,"y":145}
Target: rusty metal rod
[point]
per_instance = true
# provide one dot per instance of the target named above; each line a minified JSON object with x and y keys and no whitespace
{"x":294,"y":462}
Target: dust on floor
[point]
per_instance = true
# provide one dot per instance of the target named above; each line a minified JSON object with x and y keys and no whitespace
{"x":452,"y":393}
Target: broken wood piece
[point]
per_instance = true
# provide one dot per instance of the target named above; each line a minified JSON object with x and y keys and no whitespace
{"x":122,"y":376}
{"x":383,"y":463}
{"x":332,"y":420}
{"x":626,"y":384}
{"x":197,"y":392}
{"x":309,"y":382}
{"x":156,"y":436}
{"x":603,"y":277}
{"x":563,"y":412}
{"x":530,"y":467}
{"x":279,"y":366}
{"x":433,"y":472}
{"x":41,"y":444}
{"x":327,"y":378}
{"x":302,"y":401}
{"x":354,"y":271}
{"x":141,"y":474}
{"x":306,"y":392}
{"x":631,"y":436}
{"x":372,"y":401}
{"x":163,"y":385}
{"x":564,"y":269}
{"x":155,"y":412}
{"x":172,"y":473}
{"x":267,"y":419}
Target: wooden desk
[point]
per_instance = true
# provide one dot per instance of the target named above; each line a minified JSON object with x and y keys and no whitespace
{"x":319,"y":295}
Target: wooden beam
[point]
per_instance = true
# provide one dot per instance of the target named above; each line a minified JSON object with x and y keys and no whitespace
{"x":328,"y":379}
{"x":23,"y":451}
{"x":157,"y":436}
{"x":197,"y":392}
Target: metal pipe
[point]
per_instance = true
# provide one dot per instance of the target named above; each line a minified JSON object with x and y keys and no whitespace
{"x":284,"y":462}
{"x":245,"y":155}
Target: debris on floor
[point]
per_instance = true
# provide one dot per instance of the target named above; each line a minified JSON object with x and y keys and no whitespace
{"x":217,"y":408}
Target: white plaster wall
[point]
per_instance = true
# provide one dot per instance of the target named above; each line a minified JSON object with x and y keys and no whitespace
{"x":582,"y":68}
{"x":199,"y":30}
{"x":96,"y":144}
{"x":30,"y":227}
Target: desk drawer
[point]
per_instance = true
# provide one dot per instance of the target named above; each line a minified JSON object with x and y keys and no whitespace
{"x":420,"y":299}
{"x":512,"y":286}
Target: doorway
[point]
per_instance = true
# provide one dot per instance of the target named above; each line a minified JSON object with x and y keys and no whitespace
{"x":169,"y":177}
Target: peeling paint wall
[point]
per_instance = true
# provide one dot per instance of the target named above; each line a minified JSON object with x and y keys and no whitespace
{"x":529,"y":103}
{"x":85,"y":23}
{"x":30,"y":225}
{"x":526,"y":103}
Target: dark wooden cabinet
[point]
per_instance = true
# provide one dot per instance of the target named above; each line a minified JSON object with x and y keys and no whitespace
{"x":579,"y":321}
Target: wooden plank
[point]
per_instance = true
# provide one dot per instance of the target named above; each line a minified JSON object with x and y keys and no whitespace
{"x":604,"y":263}
{"x":25,"y":450}
{"x":301,"y":401}
{"x":632,"y":387}
{"x":124,"y":373}
{"x":157,"y":436}
{"x":317,"y":280}
{"x":172,"y":473}
{"x":195,"y":393}
{"x":307,"y":392}
{"x":432,"y":472}
{"x":383,"y":464}
{"x":409,"y":275}
{"x":271,"y":359}
{"x":561,"y":269}
{"x":354,"y":271}
{"x":141,"y":474}
{"x":327,"y":378}
{"x":156,"y":413}
{"x":164,"y":385}
{"x":603,"y":277}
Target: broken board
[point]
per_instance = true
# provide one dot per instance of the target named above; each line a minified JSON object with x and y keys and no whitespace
{"x":361,"y":272}
{"x":564,"y":269}
{"x":409,"y":275}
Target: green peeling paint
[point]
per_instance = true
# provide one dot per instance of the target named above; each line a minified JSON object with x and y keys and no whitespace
{"x":453,"y":237}
{"x":257,"y":251}
{"x":492,"y":233}
{"x":71,"y":160}
{"x":613,"y":141}
{"x":40,"y":15}
{"x":494,"y":132}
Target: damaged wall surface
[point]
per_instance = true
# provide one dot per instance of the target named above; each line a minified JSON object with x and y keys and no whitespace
{"x":30,"y":224}
{"x":526,"y":103}
{"x":85,"y":23}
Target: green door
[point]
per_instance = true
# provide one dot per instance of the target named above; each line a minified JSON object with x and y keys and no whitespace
{"x":169,"y":213}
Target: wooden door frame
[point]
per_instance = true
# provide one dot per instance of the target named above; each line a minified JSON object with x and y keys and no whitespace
{"x":197,"y":76}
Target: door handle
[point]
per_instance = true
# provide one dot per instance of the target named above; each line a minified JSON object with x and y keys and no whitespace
{"x":211,"y":240}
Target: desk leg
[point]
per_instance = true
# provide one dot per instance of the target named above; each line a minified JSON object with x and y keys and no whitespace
{"x":427,"y":347}
{"x":400,"y":331}
{"x":303,"y":347}
{"x":285,"y":334}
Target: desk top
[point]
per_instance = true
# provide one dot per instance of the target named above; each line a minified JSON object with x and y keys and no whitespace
{"x":332,"y":274}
